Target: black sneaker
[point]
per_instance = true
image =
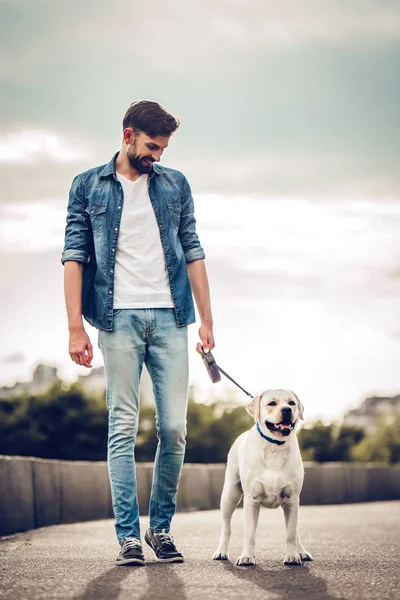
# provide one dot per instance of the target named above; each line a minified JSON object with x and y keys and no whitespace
{"x":131,"y":552}
{"x":163,"y":546}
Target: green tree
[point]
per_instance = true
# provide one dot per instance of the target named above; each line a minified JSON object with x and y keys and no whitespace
{"x":324,"y":443}
{"x":62,"y":423}
{"x":345,"y":440}
{"x":211,"y":430}
{"x":317,"y":441}
{"x":383,"y":445}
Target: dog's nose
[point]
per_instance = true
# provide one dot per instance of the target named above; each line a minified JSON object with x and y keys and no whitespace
{"x":286,"y":411}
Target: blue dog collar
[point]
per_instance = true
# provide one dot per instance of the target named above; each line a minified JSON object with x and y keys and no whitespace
{"x":266,"y":437}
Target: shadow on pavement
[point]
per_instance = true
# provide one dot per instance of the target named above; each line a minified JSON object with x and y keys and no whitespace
{"x":108,"y":585}
{"x":163,"y":582}
{"x":292,"y":583}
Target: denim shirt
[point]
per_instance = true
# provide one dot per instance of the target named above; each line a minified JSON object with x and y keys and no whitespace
{"x":94,"y":215}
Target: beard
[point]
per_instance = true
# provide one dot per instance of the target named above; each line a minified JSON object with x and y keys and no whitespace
{"x":142,"y":164}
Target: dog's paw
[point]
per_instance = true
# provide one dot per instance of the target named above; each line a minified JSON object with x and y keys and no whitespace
{"x":245,"y":561}
{"x":220,"y":555}
{"x":305,"y":556}
{"x":292,"y":559}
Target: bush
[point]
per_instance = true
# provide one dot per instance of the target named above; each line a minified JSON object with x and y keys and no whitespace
{"x":382,"y":446}
{"x":66,"y":424}
{"x":324,"y":443}
{"x":63,"y":424}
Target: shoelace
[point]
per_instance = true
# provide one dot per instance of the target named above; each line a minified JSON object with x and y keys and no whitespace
{"x":166,"y":538}
{"x":132,"y":543}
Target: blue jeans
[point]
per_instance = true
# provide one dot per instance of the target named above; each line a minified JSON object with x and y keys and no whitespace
{"x":148,"y":336}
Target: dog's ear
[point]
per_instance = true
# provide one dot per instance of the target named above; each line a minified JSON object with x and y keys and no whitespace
{"x":253,"y":407}
{"x":300,"y":404}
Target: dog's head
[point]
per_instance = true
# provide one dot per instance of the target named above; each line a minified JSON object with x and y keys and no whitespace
{"x":277,"y":412}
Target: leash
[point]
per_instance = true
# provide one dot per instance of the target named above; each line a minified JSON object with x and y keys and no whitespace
{"x":214,"y":371}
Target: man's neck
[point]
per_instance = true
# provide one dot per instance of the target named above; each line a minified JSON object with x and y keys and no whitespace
{"x":124,"y":167}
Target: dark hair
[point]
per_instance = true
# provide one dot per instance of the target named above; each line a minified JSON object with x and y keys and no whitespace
{"x":151,"y":118}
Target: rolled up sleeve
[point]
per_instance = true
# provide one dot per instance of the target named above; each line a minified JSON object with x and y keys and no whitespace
{"x":78,"y":229}
{"x":187,"y":228}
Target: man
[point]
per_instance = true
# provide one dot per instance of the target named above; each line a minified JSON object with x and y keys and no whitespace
{"x":132,"y":259}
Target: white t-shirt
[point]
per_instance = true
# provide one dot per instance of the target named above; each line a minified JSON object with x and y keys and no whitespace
{"x":141,"y":278}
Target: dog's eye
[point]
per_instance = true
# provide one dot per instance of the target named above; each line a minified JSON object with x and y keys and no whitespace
{"x":272,"y":403}
{"x":292,"y":402}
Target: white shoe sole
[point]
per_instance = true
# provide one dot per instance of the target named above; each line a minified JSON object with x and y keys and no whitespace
{"x":173,"y":559}
{"x":130,"y":561}
{"x":169,"y":560}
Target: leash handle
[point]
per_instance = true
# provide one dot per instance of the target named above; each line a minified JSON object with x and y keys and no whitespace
{"x":213,"y":370}
{"x":211,"y":366}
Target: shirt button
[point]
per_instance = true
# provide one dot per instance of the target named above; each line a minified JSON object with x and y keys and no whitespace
{"x":119,"y":208}
{"x":112,"y":249}
{"x":111,"y":271}
{"x":92,"y":212}
{"x":115,"y":228}
{"x":110,"y":291}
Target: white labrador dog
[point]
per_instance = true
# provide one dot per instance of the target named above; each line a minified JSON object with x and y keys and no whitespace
{"x":265,"y":467}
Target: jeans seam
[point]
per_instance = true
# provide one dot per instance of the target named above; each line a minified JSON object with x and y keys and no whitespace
{"x":157,"y":478}
{"x":116,"y":514}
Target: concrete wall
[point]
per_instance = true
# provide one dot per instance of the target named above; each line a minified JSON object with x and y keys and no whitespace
{"x":36,"y":492}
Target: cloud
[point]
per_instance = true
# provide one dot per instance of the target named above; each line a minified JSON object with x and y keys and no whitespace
{"x":284,"y":99}
{"x":15,"y":358}
{"x":173,"y":32}
{"x":32,"y":227}
{"x":29,"y":146}
{"x":305,"y":291}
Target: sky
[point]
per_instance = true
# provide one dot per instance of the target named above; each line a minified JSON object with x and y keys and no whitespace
{"x":290,"y":140}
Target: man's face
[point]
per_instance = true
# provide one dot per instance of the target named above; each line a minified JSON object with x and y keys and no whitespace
{"x":142,"y":150}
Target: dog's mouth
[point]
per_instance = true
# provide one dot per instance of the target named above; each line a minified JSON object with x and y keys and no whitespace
{"x":283,"y":428}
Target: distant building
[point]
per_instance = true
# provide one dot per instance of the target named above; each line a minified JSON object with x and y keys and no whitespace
{"x":43,"y":378}
{"x":373,"y":411}
{"x":95,"y":382}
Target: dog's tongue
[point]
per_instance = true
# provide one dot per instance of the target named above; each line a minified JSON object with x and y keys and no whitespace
{"x":284,"y":425}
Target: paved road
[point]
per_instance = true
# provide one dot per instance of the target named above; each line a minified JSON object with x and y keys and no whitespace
{"x":355,"y":549}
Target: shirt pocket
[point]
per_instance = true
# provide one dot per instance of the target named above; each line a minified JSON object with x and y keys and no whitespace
{"x":97,"y":214}
{"x":174,"y":210}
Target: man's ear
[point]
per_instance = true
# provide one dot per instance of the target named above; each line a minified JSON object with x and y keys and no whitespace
{"x":300,"y":405}
{"x":253,"y":407}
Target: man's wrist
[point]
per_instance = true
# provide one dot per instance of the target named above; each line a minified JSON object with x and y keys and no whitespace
{"x":75,"y":326}
{"x":207,"y":321}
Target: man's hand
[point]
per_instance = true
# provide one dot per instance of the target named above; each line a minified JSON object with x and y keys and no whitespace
{"x":80,"y":349}
{"x":207,"y":337}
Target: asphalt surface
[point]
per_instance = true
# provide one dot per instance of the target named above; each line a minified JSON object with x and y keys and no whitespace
{"x":355,"y":549}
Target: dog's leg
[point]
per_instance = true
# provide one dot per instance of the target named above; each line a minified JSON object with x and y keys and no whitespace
{"x":231,"y":495}
{"x":291,"y":512}
{"x":304,"y":555}
{"x":251,"y":513}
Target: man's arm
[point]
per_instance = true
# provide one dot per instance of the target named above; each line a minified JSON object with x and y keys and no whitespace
{"x":187,"y":227}
{"x":80,"y":348}
{"x":76,"y":253}
{"x":201,"y":292}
